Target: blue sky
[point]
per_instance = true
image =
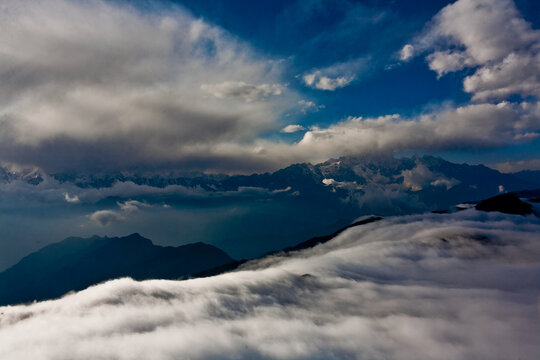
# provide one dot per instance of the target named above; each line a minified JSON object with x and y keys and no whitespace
{"x":312,"y":34}
{"x":249,"y":86}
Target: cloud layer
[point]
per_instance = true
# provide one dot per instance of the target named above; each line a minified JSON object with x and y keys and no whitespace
{"x":98,"y":84}
{"x":130,"y":90}
{"x":455,"y":286}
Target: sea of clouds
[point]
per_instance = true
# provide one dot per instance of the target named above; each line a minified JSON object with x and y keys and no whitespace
{"x":433,"y":286}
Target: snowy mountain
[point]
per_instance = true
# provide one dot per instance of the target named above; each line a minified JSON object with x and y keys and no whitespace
{"x":386,"y":185}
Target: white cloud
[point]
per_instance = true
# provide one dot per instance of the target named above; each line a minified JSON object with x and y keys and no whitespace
{"x":71,"y":199}
{"x":491,"y":36}
{"x":444,"y":62}
{"x":406,"y":53}
{"x":309,"y":106}
{"x":292,"y":128}
{"x":130,"y":206}
{"x":127,"y":208}
{"x":458,"y":286}
{"x":515,"y":74}
{"x":470,"y":126}
{"x":322,"y":82}
{"x":336,"y":76}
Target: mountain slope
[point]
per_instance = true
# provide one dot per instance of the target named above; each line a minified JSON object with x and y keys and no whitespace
{"x":76,"y":263}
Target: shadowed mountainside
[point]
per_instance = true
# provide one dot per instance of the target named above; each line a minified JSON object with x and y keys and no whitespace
{"x":76,"y":263}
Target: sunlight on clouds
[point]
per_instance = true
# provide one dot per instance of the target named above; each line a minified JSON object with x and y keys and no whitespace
{"x":491,"y":36}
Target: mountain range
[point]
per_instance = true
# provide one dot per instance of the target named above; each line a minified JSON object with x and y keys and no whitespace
{"x":383,"y":185}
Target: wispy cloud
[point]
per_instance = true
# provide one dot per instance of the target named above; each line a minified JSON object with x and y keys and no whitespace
{"x":514,"y":166}
{"x":127,"y":208}
{"x":292,"y":128}
{"x":336,"y":76}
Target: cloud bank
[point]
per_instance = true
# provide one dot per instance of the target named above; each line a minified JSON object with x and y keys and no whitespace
{"x":457,"y":286}
{"x":102,"y":85}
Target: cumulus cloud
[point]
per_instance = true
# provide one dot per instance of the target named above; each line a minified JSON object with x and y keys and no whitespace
{"x":99,"y":84}
{"x":457,"y":286}
{"x":491,"y":36}
{"x":335,"y":76}
{"x":292,"y":128}
{"x":309,"y":106}
{"x":469,"y":126}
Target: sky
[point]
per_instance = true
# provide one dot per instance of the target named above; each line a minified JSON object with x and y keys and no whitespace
{"x":243,"y":86}
{"x":459,"y":286}
{"x":100,"y":87}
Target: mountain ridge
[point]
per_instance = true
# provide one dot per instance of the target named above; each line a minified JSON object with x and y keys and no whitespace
{"x":76,"y":263}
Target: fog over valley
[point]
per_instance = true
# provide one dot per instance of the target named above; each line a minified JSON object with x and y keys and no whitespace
{"x":458,"y":286}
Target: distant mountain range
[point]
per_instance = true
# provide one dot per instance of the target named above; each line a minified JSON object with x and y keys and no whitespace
{"x":424,"y":183}
{"x":76,"y":263}
{"x":386,"y":186}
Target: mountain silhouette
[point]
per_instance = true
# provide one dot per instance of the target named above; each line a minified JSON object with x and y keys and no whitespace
{"x":76,"y":263}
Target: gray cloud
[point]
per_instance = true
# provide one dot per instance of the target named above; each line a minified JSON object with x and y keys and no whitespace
{"x":101,"y":85}
{"x":514,"y":166}
{"x":455,"y":286}
{"x":242,"y":90}
{"x":106,"y":217}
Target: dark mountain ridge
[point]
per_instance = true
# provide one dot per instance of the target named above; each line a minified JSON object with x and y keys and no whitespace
{"x":76,"y":263}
